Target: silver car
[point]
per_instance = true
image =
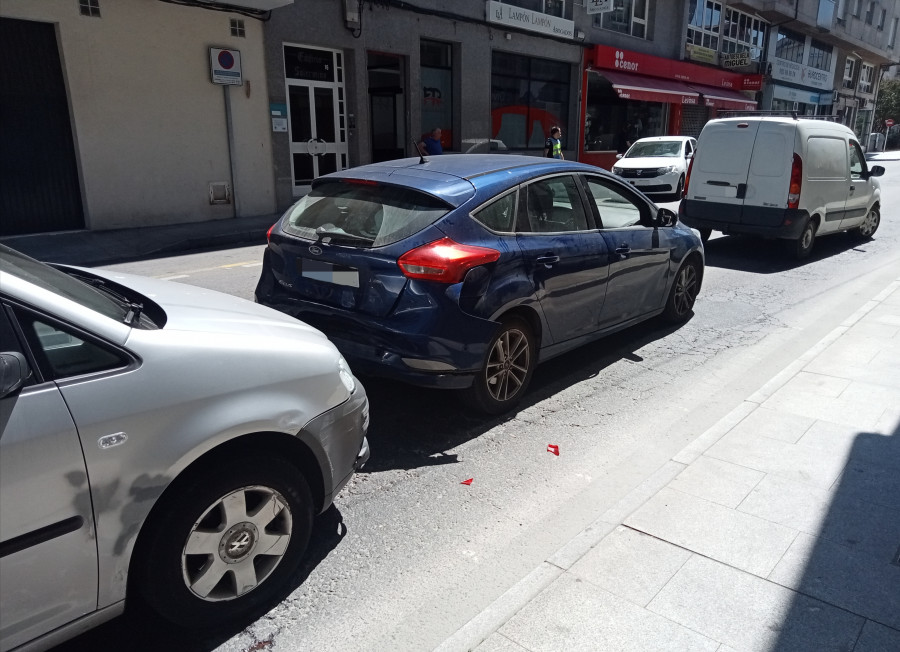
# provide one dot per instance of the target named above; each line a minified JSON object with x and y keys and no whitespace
{"x":162,"y":440}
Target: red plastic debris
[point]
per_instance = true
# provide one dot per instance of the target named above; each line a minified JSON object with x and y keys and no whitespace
{"x":469,"y":481}
{"x":553,"y":448}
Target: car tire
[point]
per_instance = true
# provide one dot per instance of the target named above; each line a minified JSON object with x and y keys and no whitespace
{"x":507,"y":371}
{"x":802,"y":246}
{"x":867,"y":229}
{"x":704,"y":235}
{"x":685,"y":287}
{"x":226,"y":513}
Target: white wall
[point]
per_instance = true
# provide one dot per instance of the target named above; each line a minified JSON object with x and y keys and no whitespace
{"x":149,"y":127}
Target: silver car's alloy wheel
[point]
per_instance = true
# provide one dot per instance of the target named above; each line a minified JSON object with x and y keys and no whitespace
{"x":508,"y":365}
{"x":870,"y":224}
{"x":685,"y":289}
{"x":236,"y":544}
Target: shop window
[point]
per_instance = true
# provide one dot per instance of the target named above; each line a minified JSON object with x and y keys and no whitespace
{"x":819,"y":55}
{"x":627,"y":17}
{"x":789,"y":45}
{"x":849,"y":72}
{"x":528,"y":97}
{"x":866,"y":76}
{"x":704,"y":20}
{"x":610,"y":122}
{"x":559,"y":8}
{"x":437,"y":88}
{"x":743,"y":33}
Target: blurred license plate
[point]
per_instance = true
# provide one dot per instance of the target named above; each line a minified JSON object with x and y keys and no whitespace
{"x":318,"y":270}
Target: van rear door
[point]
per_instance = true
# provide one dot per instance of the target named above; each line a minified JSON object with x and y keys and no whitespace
{"x":721,"y":166}
{"x":768,"y":181}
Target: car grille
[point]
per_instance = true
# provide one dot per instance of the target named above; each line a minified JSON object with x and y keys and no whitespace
{"x":640,"y":173}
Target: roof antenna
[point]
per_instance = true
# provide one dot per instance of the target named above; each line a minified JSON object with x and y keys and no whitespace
{"x":421,"y":155}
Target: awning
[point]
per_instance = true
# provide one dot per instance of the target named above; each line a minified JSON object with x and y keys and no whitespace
{"x":724,"y":98}
{"x":650,"y":89}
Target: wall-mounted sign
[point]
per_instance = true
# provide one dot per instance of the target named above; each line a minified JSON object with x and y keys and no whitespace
{"x":698,"y":53}
{"x":798,"y":95}
{"x":735,"y":59}
{"x":497,"y":12}
{"x":790,"y":71}
{"x":225,"y":66}
{"x":598,"y":6}
{"x":278,"y":111}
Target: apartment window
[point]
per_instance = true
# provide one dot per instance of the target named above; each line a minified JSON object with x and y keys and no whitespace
{"x":703,"y":23}
{"x":849,"y":71}
{"x":870,"y":14}
{"x":819,"y":55}
{"x":560,"y":8}
{"x":882,"y":19}
{"x":89,"y":8}
{"x":627,"y":17}
{"x":789,"y":45}
{"x":857,"y":7}
{"x":892,"y":37}
{"x":528,"y":97}
{"x":866,"y":76}
{"x":237,"y":28}
{"x":741,"y":32}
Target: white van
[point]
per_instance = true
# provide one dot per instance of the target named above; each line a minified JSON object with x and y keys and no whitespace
{"x":780,"y":177}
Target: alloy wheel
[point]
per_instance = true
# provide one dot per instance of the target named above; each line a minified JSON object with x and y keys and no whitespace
{"x":685,"y":290}
{"x":508,"y":365}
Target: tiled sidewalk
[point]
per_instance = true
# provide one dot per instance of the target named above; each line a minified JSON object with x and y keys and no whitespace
{"x":777,"y":529}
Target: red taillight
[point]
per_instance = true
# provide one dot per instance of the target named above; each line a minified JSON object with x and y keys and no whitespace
{"x":360,"y":182}
{"x":687,"y":176}
{"x":269,"y":232}
{"x":444,"y":261}
{"x":796,"y":182}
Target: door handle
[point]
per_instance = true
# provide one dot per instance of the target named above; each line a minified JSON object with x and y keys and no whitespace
{"x":547,"y":260}
{"x":623,"y":250}
{"x":852,"y":188}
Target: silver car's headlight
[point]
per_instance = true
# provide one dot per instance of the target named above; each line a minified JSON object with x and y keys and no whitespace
{"x":346,"y":375}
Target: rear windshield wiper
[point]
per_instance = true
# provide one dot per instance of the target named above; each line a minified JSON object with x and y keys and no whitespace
{"x":331,"y":232}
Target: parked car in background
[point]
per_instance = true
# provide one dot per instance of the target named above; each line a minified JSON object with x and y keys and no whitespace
{"x":158,"y":440}
{"x":657,"y":165}
{"x":781,"y":177}
{"x":463,"y":272}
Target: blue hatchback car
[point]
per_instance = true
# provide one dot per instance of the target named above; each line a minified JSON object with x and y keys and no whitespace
{"x":465,"y":271}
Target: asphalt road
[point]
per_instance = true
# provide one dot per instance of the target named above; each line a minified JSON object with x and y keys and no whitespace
{"x":408,"y":554}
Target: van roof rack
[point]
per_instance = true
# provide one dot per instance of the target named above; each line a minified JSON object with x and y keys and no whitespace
{"x":780,"y":114}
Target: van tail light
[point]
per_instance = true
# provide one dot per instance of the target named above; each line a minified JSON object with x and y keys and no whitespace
{"x":687,"y":177}
{"x":796,"y":182}
{"x":444,"y":261}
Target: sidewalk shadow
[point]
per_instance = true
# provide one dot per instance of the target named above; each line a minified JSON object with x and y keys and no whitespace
{"x":852,"y":563}
{"x":140,"y":630}
{"x":760,"y":256}
{"x":414,"y":427}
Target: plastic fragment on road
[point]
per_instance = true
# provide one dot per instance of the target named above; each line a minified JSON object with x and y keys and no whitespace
{"x":467,"y":482}
{"x":553,"y":448}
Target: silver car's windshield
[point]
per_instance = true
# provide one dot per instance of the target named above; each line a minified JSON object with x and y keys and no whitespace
{"x":657,"y":148}
{"x":35,"y":272}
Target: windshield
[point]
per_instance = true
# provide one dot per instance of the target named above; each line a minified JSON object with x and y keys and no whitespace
{"x":37,"y":273}
{"x":362,"y":214}
{"x":655,"y":148}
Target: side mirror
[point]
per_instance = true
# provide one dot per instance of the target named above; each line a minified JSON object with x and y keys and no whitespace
{"x":619,"y":155}
{"x":14,"y":371}
{"x":876,"y":171}
{"x":689,"y":155}
{"x":663,"y":217}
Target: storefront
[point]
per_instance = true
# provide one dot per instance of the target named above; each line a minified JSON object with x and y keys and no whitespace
{"x":630,"y":95}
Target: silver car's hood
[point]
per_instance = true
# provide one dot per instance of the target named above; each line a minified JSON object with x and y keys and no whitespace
{"x":645,"y":162}
{"x":190,"y":308}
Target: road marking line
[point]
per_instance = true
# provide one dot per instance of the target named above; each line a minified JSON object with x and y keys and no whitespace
{"x":252,"y":265}
{"x":242,"y":264}
{"x":172,"y":278}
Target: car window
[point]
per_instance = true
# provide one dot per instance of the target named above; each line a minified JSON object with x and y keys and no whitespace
{"x":363,"y":214}
{"x":857,"y":161}
{"x":62,"y":352}
{"x":499,"y":215}
{"x":553,"y":205}
{"x":688,"y":149}
{"x":616,"y":210}
{"x":655,"y":148}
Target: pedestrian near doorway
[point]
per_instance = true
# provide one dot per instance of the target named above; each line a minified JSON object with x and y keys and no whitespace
{"x":431,"y":144}
{"x":553,"y":145}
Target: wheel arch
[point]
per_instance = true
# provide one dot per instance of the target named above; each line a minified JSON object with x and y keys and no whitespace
{"x":529,"y":315}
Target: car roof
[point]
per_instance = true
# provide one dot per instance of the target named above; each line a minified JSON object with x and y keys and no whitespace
{"x":652,"y":139}
{"x":456,"y":178}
